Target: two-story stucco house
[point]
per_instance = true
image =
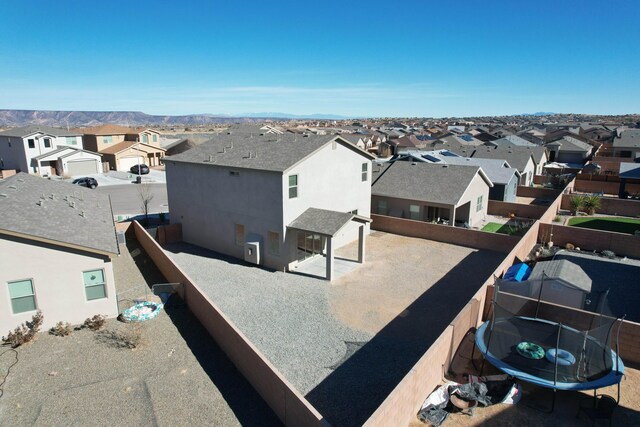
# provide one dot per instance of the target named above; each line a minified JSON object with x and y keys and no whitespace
{"x":273,"y":200}
{"x":57,"y":241}
{"x":46,"y":151}
{"x":122,"y":147}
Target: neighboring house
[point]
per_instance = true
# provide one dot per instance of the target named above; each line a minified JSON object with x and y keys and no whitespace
{"x":505,"y":179}
{"x":569,"y":150}
{"x":409,"y":142}
{"x":272,"y":200}
{"x":123,"y":147}
{"x":360,"y":141}
{"x":627,"y":145}
{"x":520,"y":158}
{"x":510,"y":140}
{"x":462,"y":139}
{"x":457,"y":195}
{"x":68,"y":161}
{"x":57,"y":241}
{"x":19,"y":148}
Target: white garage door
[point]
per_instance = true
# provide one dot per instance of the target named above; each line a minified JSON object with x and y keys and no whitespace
{"x":125,"y":163}
{"x":82,"y":167}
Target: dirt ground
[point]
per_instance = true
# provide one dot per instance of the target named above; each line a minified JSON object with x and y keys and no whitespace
{"x":397,"y":271}
{"x":533,"y":409}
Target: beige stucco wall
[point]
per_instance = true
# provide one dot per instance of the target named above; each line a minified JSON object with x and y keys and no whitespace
{"x":116,"y":139}
{"x":477,"y":188}
{"x":57,"y":279}
{"x":329,"y":179}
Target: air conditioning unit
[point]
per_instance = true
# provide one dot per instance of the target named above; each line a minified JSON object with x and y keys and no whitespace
{"x":252,"y":252}
{"x":121,"y":237}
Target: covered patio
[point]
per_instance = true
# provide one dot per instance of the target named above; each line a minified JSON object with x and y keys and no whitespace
{"x":315,"y":231}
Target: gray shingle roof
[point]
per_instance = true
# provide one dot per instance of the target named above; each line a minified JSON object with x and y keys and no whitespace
{"x":425,"y":182}
{"x":495,"y":169}
{"x":563,"y":270}
{"x":321,"y":221}
{"x":570,"y":144}
{"x":517,"y":157}
{"x":267,"y":152}
{"x":29,"y":130}
{"x":628,"y":138}
{"x":512,"y":140}
{"x":34,"y":206}
{"x":62,"y":149}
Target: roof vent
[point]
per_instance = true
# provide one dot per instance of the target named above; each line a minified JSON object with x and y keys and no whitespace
{"x":3,"y":195}
{"x":445,"y":166}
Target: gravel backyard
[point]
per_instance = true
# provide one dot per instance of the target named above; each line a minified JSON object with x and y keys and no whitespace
{"x":347,"y":343}
{"x":178,"y":376}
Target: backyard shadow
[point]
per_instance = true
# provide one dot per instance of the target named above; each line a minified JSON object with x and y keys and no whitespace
{"x":247,"y":405}
{"x":181,"y":247}
{"x":352,"y":392}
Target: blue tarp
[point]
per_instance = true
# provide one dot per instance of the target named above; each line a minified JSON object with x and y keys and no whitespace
{"x":518,"y":272}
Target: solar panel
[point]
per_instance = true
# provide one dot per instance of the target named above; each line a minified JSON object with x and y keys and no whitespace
{"x":431,"y":158}
{"x":449,"y":154}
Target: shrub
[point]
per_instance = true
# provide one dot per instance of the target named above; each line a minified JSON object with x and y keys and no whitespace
{"x":576,"y":202}
{"x":95,"y":323}
{"x":557,"y":218}
{"x":62,"y":329}
{"x":25,"y":332}
{"x":608,"y":254}
{"x":591,"y":204}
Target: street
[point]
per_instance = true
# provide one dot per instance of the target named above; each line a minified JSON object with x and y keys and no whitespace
{"x":126,"y":198}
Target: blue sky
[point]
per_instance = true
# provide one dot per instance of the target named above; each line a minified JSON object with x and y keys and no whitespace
{"x":373,"y":58}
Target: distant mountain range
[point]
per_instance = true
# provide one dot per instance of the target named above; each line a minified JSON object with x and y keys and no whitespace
{"x":11,"y":118}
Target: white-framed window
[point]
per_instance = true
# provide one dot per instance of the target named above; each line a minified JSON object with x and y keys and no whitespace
{"x":23,"y":298}
{"x":293,"y":186}
{"x":274,"y":243}
{"x":479,"y":204}
{"x":155,"y":138}
{"x":382,"y":207}
{"x":239,"y":232}
{"x":71,"y":140}
{"x":107,"y":139}
{"x":47,"y":143}
{"x":145,"y":137}
{"x":94,"y":285}
{"x":365,"y":171}
{"x":414,"y":212}
{"x":30,"y":141}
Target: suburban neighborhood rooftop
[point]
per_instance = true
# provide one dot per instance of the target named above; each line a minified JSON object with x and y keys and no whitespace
{"x":275,"y":153}
{"x":57,"y":212}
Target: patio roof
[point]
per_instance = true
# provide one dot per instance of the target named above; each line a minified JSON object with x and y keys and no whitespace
{"x":325,"y":222}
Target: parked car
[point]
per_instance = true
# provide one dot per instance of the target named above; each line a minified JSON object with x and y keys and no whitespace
{"x":86,"y":181}
{"x":143,"y":169}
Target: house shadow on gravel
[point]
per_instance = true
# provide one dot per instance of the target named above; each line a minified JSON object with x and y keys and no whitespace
{"x":247,"y":405}
{"x":355,"y":389}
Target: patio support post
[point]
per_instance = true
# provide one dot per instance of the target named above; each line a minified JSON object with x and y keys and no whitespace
{"x":329,"y":258}
{"x":453,"y":216}
{"x":361,"y":243}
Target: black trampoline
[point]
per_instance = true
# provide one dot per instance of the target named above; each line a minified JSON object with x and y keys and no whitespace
{"x":569,"y":352}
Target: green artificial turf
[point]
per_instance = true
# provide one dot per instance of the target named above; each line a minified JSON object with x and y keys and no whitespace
{"x":494,"y":227}
{"x":618,"y":225}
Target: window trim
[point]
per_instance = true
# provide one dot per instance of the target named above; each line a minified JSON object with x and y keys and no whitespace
{"x":479,"y":203}
{"x":46,"y":142}
{"x":33,"y":290}
{"x":107,"y":139}
{"x":103,"y":284}
{"x":31,"y":143}
{"x":293,"y":187}
{"x":365,"y":172}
